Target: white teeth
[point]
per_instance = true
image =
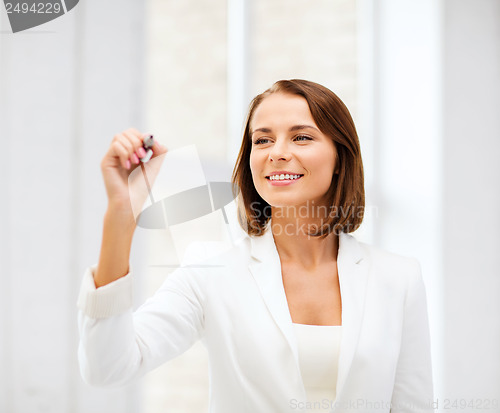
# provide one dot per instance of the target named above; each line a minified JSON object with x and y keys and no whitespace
{"x":283,"y":177}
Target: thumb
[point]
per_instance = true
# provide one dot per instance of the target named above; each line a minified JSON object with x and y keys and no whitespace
{"x":159,"y":148}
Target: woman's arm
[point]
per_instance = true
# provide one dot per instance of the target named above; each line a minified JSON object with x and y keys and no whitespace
{"x":413,"y":388}
{"x":115,"y":344}
{"x":118,"y":345}
{"x":125,"y":198}
{"x":118,"y":231}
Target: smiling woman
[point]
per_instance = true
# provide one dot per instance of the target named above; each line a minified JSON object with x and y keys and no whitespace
{"x":302,"y":129}
{"x":306,"y":161}
{"x":296,"y":314}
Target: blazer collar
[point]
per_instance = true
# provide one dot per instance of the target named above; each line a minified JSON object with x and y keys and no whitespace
{"x":261,"y":247}
{"x":352,"y":265}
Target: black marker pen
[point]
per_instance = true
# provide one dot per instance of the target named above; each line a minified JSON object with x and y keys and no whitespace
{"x":147,"y":144}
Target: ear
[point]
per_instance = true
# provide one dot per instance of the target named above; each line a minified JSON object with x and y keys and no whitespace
{"x":336,"y":170}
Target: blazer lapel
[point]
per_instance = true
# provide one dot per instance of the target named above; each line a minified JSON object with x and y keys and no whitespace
{"x":353,"y":274}
{"x":266,"y":271}
{"x":353,"y":271}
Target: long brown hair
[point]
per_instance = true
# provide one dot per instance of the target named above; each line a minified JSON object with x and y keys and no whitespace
{"x":346,"y":192}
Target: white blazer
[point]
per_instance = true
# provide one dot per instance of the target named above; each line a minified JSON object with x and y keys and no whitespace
{"x":236,"y":304}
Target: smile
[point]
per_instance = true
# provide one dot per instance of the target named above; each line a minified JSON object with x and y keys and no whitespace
{"x":283,"y":179}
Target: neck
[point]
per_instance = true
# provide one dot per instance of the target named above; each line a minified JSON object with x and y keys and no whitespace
{"x":295,"y":245}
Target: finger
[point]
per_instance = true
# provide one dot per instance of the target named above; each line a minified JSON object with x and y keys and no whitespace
{"x":159,"y":149}
{"x":134,"y":138}
{"x":123,"y":153}
{"x":128,"y":144}
{"x":134,"y":132}
{"x":137,"y":142}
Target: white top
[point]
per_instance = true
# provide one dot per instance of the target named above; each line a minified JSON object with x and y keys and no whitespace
{"x":319,"y":348}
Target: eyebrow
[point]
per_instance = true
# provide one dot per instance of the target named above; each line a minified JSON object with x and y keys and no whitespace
{"x":292,"y":129}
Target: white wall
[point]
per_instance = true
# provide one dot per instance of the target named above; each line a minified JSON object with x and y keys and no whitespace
{"x":471,"y":199}
{"x":435,"y":98}
{"x":65,"y":89}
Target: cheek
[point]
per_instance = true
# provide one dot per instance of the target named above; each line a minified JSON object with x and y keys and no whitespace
{"x":324,"y":166}
{"x":252,"y":165}
{"x":254,"y":170}
{"x":255,"y":163}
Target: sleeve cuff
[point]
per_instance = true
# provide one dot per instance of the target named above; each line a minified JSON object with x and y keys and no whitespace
{"x":106,"y":301}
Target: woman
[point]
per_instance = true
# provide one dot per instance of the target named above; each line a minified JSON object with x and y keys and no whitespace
{"x":297,"y":316}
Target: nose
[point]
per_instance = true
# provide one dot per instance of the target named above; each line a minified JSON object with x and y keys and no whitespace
{"x":280,"y":151}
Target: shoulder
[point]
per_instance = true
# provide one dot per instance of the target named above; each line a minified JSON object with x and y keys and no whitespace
{"x":389,"y":265}
{"x":388,"y":259}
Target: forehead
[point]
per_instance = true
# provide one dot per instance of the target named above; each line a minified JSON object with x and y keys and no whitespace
{"x":282,"y":109}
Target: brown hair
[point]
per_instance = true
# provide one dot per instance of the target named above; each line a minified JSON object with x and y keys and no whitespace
{"x":346,"y":190}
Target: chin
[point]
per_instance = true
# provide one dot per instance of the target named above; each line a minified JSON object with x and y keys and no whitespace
{"x":282,"y":202}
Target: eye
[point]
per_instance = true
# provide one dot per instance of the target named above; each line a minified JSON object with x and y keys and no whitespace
{"x":303,"y":138}
{"x":260,"y":141}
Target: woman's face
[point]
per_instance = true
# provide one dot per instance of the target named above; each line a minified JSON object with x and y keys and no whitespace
{"x":285,"y":139}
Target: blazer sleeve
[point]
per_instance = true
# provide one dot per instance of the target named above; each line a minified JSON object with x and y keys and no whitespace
{"x":118,"y":345}
{"x":413,"y":388}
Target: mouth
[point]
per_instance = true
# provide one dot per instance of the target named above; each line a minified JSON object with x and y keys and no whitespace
{"x":284,"y":177}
